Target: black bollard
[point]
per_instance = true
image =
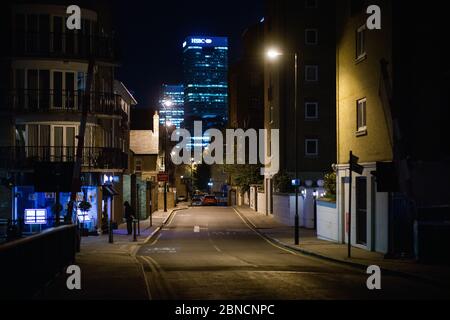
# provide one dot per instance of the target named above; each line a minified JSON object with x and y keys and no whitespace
{"x":134,"y":233}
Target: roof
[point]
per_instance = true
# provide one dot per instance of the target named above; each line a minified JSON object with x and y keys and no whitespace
{"x":120,"y":89}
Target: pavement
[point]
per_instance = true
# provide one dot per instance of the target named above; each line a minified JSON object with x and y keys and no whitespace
{"x":270,"y":228}
{"x":109,"y":271}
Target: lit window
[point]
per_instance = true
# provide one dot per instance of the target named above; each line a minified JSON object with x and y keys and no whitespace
{"x":361,"y":115}
{"x":312,"y":73}
{"x":361,"y":42}
{"x":311,"y":36}
{"x":311,"y":111}
{"x":311,"y":147}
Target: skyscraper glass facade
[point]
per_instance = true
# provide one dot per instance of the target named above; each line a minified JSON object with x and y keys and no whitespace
{"x":205,"y":62}
{"x":172,"y":105}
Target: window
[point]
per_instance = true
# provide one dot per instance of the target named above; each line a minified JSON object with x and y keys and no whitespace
{"x":311,"y":147}
{"x":138,"y":165}
{"x":311,"y":4}
{"x":361,"y":115}
{"x":361,"y":42}
{"x":311,"y":73}
{"x":311,"y":36}
{"x":311,"y":111}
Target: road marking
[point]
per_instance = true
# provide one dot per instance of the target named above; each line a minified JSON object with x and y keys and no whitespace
{"x":173,"y":217}
{"x":218,"y":250}
{"x":266,"y":240}
{"x":156,"y":240}
{"x":197,"y":229}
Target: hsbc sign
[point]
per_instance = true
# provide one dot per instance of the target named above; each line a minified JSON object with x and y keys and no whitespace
{"x":201,"y":41}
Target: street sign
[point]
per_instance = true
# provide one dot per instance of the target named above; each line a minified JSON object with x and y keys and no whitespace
{"x":163,"y":177}
{"x":354,"y":166}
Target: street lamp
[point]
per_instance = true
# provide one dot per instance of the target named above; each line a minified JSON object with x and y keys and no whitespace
{"x":274,"y":54}
{"x":167,"y":123}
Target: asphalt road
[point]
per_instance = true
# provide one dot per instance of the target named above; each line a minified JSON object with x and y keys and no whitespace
{"x":211,"y":253}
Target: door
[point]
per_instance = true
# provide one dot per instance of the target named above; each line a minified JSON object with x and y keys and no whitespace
{"x":64,"y":143}
{"x":58,"y":144}
{"x":70,"y":143}
{"x":57,"y":90}
{"x":361,"y":210}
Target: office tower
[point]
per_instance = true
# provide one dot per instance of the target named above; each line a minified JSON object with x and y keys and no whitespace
{"x":205,"y":62}
{"x":172,"y":105}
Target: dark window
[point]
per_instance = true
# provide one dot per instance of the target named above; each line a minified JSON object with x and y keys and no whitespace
{"x":44,"y":89}
{"x":311,"y":147}
{"x":361,"y":42}
{"x":311,"y":36}
{"x":57,"y":89}
{"x":311,"y":110}
{"x":44,"y":33}
{"x":311,"y":73}
{"x":57,"y":34}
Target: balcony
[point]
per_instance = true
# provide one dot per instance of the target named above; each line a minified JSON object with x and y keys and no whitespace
{"x":68,"y":46}
{"x":46,"y":101}
{"x":23,"y":158}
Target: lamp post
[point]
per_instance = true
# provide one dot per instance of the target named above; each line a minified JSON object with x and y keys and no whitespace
{"x":273,"y":55}
{"x":166,"y":104}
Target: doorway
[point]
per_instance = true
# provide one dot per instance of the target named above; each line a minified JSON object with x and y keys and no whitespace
{"x":361,"y":211}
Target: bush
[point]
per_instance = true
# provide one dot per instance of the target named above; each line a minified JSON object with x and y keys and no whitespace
{"x":330,"y":185}
{"x":283,"y":183}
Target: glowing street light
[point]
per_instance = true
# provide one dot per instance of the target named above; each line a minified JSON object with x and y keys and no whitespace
{"x":273,"y":54}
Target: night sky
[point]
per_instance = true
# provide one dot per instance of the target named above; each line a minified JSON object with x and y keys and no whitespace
{"x":151,"y":34}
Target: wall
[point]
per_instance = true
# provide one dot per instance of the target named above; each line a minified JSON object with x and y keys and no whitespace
{"x":262,"y":202}
{"x":170,"y":200}
{"x":284,"y":209}
{"x":327,"y":221}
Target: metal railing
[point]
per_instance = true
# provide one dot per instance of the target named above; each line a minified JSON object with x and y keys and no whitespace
{"x":28,"y":100}
{"x":93,"y":157}
{"x":72,"y":45}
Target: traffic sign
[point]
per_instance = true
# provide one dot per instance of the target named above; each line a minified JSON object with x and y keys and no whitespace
{"x":163,"y":177}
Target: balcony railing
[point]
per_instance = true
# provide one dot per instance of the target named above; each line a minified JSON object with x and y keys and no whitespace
{"x":72,"y":45}
{"x":24,"y":100}
{"x":12,"y":158}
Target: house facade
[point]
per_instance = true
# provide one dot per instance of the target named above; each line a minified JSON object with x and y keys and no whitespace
{"x":42,"y":95}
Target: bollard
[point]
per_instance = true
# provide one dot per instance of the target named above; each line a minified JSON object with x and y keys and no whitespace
{"x":134,"y":233}
{"x":111,"y":238}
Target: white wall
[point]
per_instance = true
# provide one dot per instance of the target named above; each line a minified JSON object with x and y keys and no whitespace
{"x":262,"y":202}
{"x":327,"y":221}
{"x":284,"y":209}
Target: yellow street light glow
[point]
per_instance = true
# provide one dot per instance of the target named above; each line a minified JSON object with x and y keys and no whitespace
{"x":273,"y":54}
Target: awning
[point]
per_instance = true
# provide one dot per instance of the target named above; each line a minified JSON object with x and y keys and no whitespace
{"x":109,"y":191}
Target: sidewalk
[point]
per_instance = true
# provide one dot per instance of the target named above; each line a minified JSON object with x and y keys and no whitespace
{"x":109,"y":271}
{"x":268,"y":227}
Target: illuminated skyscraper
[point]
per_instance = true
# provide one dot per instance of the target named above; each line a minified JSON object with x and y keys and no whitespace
{"x":173,"y":111}
{"x":206,"y":81}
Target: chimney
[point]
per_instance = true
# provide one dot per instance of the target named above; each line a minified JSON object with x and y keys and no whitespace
{"x":156,"y":124}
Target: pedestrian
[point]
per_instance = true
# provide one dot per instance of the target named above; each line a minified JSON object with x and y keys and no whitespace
{"x":129,"y":217}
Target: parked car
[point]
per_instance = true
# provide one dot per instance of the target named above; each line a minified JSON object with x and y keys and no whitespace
{"x":181,"y":199}
{"x":209,"y":201}
{"x":196,"y":201}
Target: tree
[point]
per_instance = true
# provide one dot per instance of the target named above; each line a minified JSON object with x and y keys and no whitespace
{"x":244,"y":175}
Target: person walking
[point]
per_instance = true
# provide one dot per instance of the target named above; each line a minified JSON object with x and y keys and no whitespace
{"x":129,"y":217}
